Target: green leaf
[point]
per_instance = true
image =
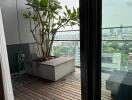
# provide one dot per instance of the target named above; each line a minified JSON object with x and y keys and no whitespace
{"x":59,"y":17}
{"x":73,"y":15}
{"x":73,"y":23}
{"x":69,"y":11}
{"x":44,"y":13}
{"x":54,"y":30}
{"x":55,"y":12}
{"x":53,"y":25}
{"x":47,"y":29}
{"x":74,"y":10}
{"x":26,"y":15}
{"x":29,"y":8}
{"x":65,"y":13}
{"x":53,"y":8}
{"x":35,"y":3}
{"x":29,"y":13}
{"x":78,"y":11}
{"x":44,"y":3}
{"x":63,"y":20}
{"x":66,"y":7}
{"x":35,"y":18}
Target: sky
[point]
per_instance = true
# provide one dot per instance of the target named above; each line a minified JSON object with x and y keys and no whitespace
{"x":70,"y":3}
{"x":116,"y":13}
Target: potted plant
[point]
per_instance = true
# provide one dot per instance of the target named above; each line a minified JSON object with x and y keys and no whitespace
{"x":46,"y":17}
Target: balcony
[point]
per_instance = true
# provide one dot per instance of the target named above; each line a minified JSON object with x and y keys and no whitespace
{"x":68,"y":88}
{"x":116,"y":49}
{"x":116,"y":55}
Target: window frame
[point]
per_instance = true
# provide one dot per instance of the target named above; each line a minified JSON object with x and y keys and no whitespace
{"x":90,"y":22}
{"x":90,"y":48}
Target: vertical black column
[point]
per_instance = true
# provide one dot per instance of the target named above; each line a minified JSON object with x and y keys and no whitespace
{"x":90,"y":39}
{"x":1,"y":86}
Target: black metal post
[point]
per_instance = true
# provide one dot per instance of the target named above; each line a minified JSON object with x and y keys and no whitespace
{"x":90,"y":39}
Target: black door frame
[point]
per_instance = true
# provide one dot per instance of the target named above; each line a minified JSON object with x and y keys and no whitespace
{"x":1,"y":85}
{"x":90,"y":48}
{"x":90,"y":40}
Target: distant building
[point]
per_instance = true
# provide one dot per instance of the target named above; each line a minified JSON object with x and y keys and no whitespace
{"x":111,"y":61}
{"x":130,"y":62}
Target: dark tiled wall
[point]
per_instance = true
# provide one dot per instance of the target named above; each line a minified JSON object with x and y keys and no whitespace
{"x":12,"y":55}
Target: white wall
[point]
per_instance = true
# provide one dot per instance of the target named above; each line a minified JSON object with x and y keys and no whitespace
{"x":26,"y":36}
{"x":9,"y":13}
{"x":9,"y":21}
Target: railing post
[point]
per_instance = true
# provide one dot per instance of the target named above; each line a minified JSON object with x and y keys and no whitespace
{"x":90,"y":39}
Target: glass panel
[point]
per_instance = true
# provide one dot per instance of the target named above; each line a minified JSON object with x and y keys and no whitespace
{"x":76,"y":27}
{"x":115,"y":55}
{"x":116,"y":13}
{"x":67,"y":48}
{"x":116,"y":70}
{"x":117,"y":33}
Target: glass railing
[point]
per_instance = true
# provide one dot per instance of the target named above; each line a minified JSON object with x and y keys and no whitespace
{"x":116,"y":63}
{"x":117,"y":33}
{"x":116,"y":48}
{"x":67,"y":43}
{"x":67,"y":48}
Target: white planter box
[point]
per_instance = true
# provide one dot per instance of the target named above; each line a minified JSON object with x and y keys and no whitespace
{"x":53,"y":69}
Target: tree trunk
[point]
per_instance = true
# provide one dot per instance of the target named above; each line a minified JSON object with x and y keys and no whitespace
{"x":50,"y":48}
{"x":42,"y":50}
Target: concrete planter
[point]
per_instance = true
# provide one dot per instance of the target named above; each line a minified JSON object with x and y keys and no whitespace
{"x":53,"y":69}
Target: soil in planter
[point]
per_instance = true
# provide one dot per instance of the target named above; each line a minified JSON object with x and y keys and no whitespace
{"x":43,"y":59}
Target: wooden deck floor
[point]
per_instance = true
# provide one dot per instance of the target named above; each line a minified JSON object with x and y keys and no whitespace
{"x":105,"y":94}
{"x":68,"y":88}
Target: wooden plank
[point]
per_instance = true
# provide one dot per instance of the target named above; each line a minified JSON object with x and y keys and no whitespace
{"x":34,"y":94}
{"x":50,"y":92}
{"x":62,"y":88}
{"x":22,"y":95}
{"x":68,"y":88}
{"x":68,"y":94}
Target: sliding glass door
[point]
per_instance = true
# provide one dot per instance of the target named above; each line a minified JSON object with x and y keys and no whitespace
{"x":116,"y":57}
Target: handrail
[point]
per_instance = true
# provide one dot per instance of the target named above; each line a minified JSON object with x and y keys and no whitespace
{"x":102,"y":28}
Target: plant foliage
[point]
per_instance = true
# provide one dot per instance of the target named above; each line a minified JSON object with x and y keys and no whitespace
{"x":46,"y":17}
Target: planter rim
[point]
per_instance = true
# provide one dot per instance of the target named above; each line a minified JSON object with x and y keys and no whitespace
{"x":57,"y":61}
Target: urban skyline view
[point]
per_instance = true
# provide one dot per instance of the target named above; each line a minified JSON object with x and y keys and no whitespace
{"x":109,"y":44}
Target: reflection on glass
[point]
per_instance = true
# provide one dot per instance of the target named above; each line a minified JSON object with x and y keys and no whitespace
{"x":117,"y":64}
{"x":117,"y":33}
{"x":116,"y":50}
